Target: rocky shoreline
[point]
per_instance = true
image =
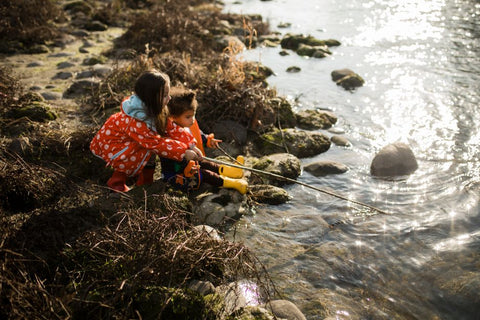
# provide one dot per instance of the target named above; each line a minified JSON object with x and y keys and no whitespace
{"x":60,"y":76}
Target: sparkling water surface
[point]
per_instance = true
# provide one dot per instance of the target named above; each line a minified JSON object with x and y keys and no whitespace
{"x":421,"y":64}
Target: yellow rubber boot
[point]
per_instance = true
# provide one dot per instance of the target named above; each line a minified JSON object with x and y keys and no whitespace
{"x":232,"y":172}
{"x":238,"y":184}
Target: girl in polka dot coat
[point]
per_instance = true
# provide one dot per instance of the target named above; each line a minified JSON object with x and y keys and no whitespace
{"x":129,"y":140}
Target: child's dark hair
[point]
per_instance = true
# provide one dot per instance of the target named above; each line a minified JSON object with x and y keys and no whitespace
{"x":150,"y":88}
{"x":182,"y":100}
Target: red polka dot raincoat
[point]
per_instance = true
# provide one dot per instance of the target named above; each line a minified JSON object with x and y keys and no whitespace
{"x":128,"y":139}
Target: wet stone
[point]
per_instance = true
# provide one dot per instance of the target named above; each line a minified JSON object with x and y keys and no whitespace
{"x":340,"y":141}
{"x":316,"y":119}
{"x":80,"y":88}
{"x":323,"y":168}
{"x":51,"y":95}
{"x":85,"y":74}
{"x":294,"y":69}
{"x":264,"y":193}
{"x":35,"y":64}
{"x":395,"y":159}
{"x":65,"y":64}
{"x":61,"y":54}
{"x":285,"y":309}
{"x":63,"y":75}
{"x":281,"y":164}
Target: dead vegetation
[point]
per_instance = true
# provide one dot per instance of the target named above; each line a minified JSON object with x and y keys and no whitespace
{"x":68,"y":249}
{"x":27,"y":22}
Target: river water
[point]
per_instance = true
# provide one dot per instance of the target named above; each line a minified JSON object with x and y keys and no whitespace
{"x":421,"y":63}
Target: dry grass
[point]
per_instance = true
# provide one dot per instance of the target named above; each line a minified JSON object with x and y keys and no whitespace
{"x":28,"y":21}
{"x":68,"y":249}
{"x":10,"y":89}
{"x":111,"y":271}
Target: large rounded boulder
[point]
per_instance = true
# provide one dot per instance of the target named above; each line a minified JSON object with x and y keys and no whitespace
{"x":396,"y":159}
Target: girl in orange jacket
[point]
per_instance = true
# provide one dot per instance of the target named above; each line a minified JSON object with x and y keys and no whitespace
{"x":129,"y":140}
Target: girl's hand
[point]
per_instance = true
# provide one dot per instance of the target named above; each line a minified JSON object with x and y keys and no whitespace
{"x":193,"y":154}
{"x":190,"y":155}
{"x":198,"y":152}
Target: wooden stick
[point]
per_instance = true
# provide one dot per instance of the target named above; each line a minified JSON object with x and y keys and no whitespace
{"x":331,"y":193}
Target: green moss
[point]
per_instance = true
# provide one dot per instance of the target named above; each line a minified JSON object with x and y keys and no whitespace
{"x":171,"y":303}
{"x":284,"y":110}
{"x":262,"y":163}
{"x":95,"y":60}
{"x":35,"y":111}
{"x":250,"y":313}
{"x":305,"y":50}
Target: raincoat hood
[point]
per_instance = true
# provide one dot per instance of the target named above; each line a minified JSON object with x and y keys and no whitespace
{"x":135,"y":108}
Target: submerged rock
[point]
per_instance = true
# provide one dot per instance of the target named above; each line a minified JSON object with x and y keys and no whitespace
{"x":340,"y":141}
{"x":294,"y":69}
{"x":346,"y":78}
{"x":396,"y":159}
{"x":313,"y":51}
{"x":293,"y":42}
{"x":323,"y":168}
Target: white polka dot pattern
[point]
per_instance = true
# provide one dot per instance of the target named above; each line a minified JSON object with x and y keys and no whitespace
{"x":125,"y":144}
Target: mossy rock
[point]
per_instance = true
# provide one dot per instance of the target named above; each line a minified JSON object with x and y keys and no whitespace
{"x":351,"y":82}
{"x":31,"y":97}
{"x":313,"y":51}
{"x":347,"y":78}
{"x":293,"y":42}
{"x":294,"y":69}
{"x":269,"y":194}
{"x":315,"y":119}
{"x":301,"y":144}
{"x":36,"y":111}
{"x":91,"y":61}
{"x":251,"y":313}
{"x":259,"y":71}
{"x":332,"y":43}
{"x":305,"y":50}
{"x":281,"y":164}
{"x":173,"y":303}
{"x":37,"y":49}
{"x":284,"y":112}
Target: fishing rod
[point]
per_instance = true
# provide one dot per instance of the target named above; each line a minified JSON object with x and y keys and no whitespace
{"x":295,"y":181}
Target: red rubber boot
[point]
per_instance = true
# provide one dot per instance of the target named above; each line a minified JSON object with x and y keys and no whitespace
{"x":146,"y":176}
{"x":118,"y":182}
